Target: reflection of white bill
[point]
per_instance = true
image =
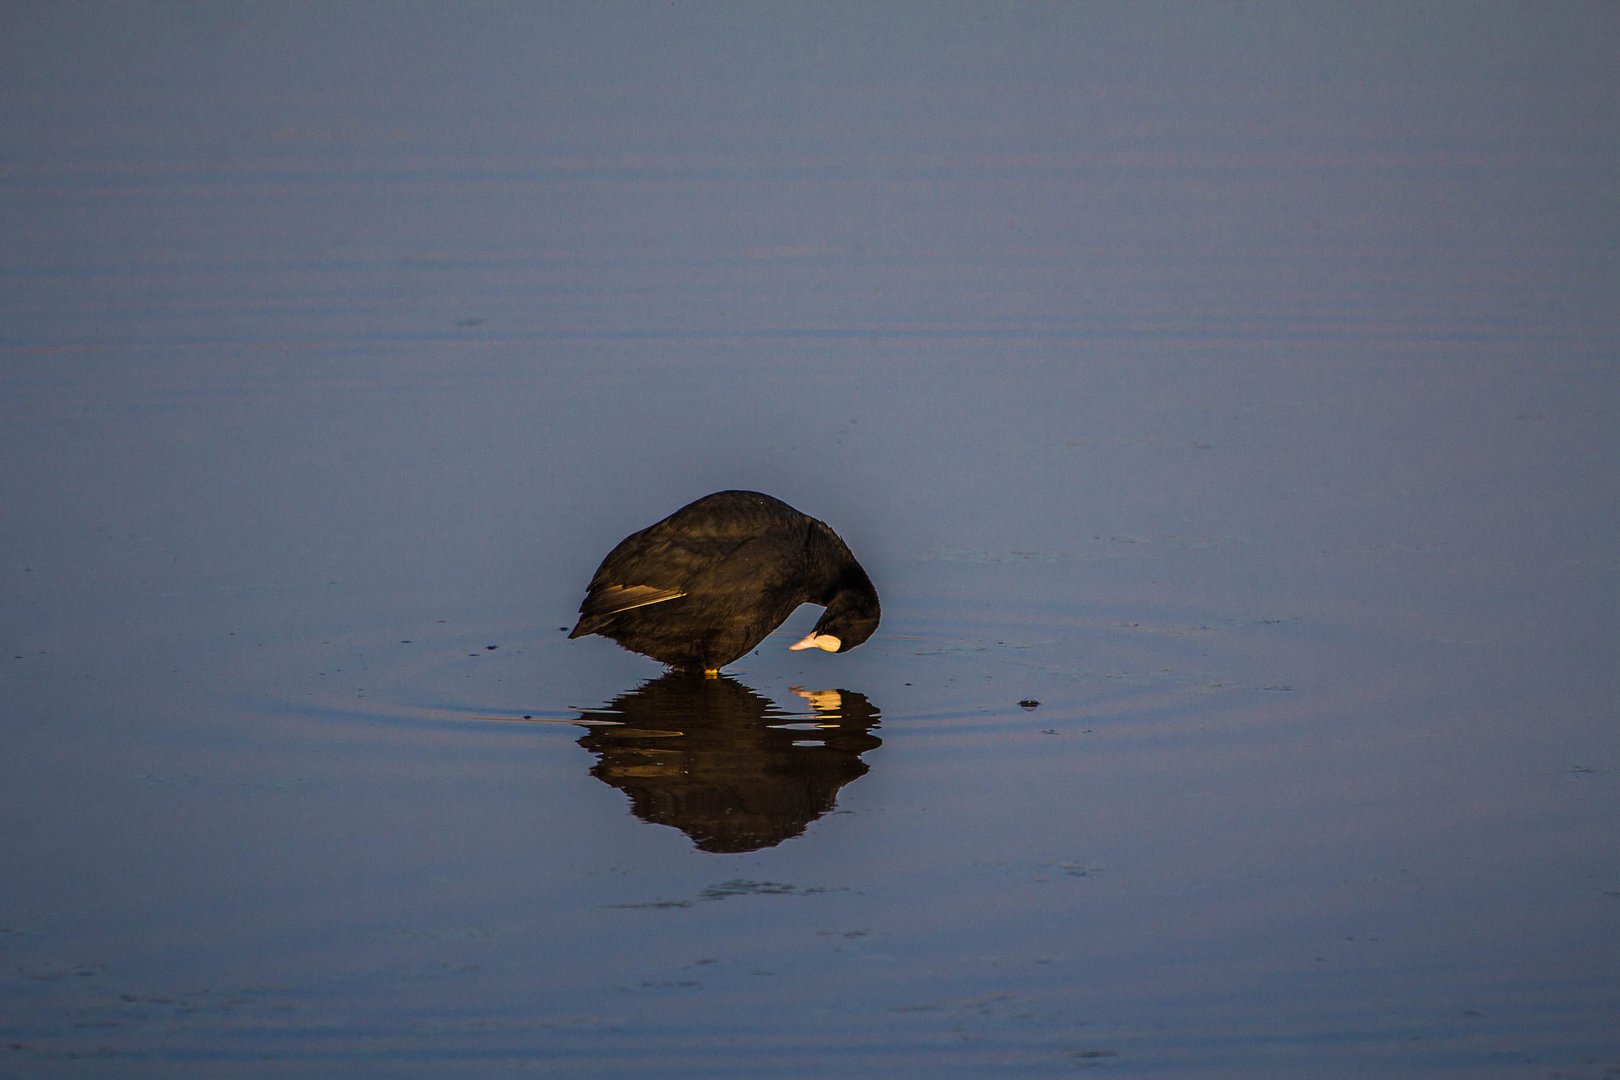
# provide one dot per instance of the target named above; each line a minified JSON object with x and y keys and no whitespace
{"x":824,"y":702}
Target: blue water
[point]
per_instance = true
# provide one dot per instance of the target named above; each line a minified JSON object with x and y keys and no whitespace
{"x":1234,"y":386}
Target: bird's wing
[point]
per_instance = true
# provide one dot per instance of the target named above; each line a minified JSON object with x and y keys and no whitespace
{"x":612,"y":599}
{"x":663,"y":562}
{"x":646,"y":570}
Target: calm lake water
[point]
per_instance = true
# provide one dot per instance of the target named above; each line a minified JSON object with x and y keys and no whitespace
{"x":1225,"y":400}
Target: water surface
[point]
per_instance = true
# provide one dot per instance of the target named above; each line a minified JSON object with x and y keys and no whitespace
{"x":1223,"y":400}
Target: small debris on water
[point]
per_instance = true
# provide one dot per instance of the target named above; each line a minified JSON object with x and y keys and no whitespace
{"x":1028,"y":703}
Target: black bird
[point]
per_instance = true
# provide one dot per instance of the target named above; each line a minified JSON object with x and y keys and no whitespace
{"x":705,"y":585}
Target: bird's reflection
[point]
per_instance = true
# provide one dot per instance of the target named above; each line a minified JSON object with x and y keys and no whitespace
{"x":727,"y":767}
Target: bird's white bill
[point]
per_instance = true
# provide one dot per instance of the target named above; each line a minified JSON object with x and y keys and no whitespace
{"x":829,"y":642}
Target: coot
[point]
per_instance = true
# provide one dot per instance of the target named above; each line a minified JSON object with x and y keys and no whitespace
{"x":705,"y":585}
